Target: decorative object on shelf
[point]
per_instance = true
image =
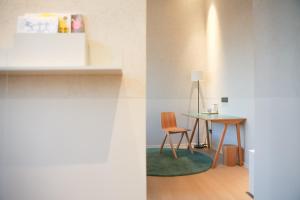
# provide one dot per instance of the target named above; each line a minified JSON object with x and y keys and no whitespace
{"x":64,"y":23}
{"x":37,"y":24}
{"x":197,"y":75}
{"x":77,"y":24}
{"x":50,"y":23}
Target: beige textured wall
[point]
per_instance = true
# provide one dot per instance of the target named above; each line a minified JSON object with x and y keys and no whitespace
{"x":175,"y":46}
{"x":77,"y":137}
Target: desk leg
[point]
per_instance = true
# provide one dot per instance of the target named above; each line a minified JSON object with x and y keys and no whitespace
{"x":219,"y":147}
{"x":193,"y":132}
{"x":207,"y":134}
{"x":238,"y":133}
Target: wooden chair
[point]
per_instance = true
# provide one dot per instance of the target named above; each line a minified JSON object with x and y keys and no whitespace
{"x":169,"y":126}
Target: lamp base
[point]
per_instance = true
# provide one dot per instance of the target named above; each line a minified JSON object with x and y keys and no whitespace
{"x":200,"y":146}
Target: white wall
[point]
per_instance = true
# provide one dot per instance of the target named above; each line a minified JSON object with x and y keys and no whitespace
{"x":277,"y":92}
{"x":77,"y":137}
{"x":186,"y":35}
{"x":175,"y":46}
{"x":230,"y":65}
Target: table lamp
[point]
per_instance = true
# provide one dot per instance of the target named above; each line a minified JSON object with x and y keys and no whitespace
{"x":197,"y":75}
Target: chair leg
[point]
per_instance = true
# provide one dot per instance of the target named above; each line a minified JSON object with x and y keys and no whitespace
{"x":162,"y":145}
{"x":188,"y":141}
{"x":173,"y":150}
{"x":180,"y":141}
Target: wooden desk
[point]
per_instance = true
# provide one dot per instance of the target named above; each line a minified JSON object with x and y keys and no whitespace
{"x":223,"y":119}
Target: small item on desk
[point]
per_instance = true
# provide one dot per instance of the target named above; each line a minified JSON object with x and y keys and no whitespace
{"x":209,"y":110}
{"x":212,"y":110}
{"x":215,"y":108}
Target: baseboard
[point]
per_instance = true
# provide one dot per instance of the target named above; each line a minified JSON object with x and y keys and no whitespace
{"x":153,"y":146}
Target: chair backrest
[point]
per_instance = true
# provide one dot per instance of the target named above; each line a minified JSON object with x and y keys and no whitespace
{"x":168,"y":120}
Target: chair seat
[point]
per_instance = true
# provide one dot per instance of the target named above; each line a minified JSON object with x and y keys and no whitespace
{"x":176,"y":130}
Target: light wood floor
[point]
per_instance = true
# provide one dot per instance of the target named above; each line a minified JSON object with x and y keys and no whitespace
{"x":221,"y":183}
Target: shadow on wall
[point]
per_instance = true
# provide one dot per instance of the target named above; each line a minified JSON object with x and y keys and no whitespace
{"x":57,"y":119}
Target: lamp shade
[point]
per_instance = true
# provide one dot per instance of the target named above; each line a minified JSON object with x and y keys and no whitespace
{"x":197,"y":75}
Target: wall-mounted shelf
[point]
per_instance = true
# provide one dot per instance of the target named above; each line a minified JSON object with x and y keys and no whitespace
{"x":51,"y":54}
{"x":31,"y":49}
{"x":61,"y":70}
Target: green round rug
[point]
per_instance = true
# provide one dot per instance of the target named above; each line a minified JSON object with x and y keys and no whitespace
{"x":165,"y":165}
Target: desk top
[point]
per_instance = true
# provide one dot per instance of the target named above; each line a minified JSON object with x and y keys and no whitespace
{"x":217,"y":118}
